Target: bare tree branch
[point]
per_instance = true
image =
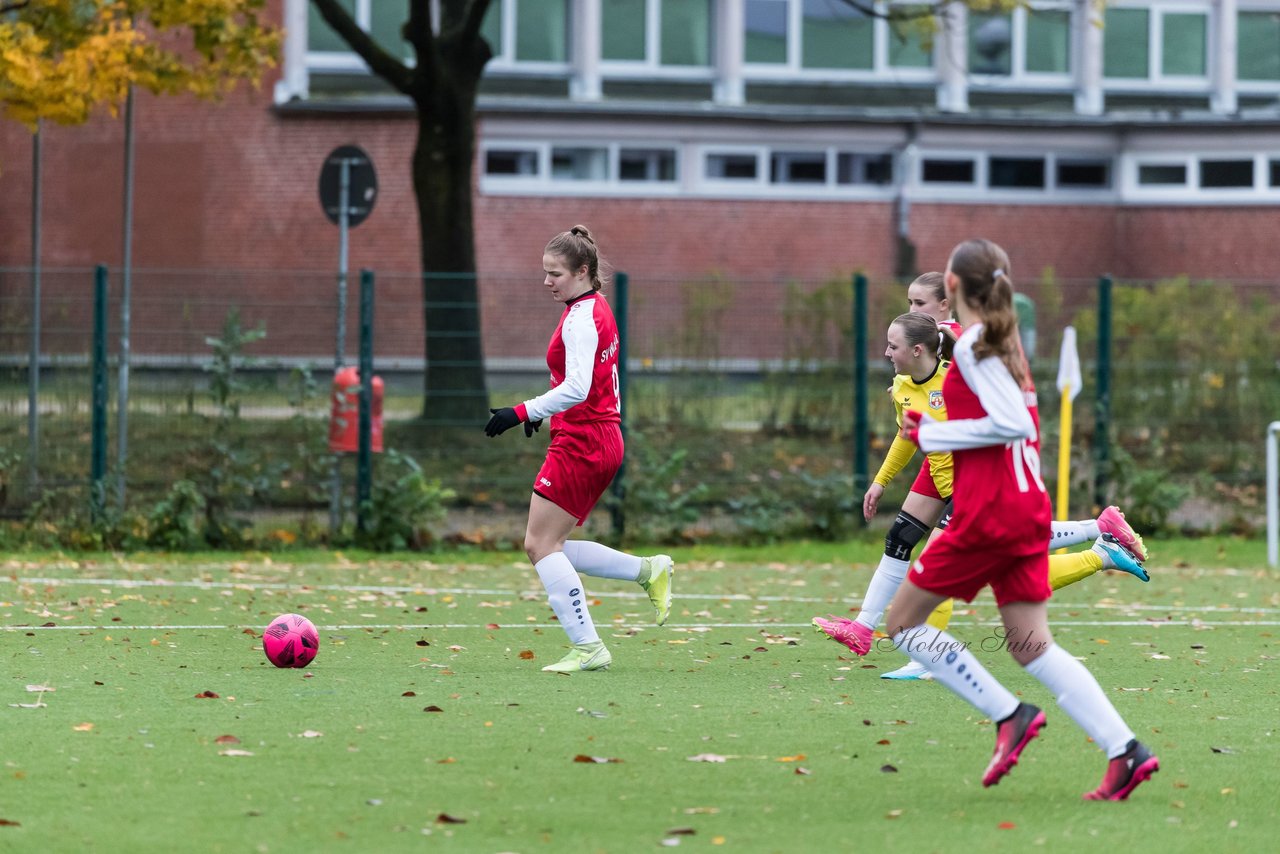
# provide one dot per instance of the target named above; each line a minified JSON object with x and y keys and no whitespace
{"x":897,"y":13}
{"x":382,"y":63}
{"x":13,"y":7}
{"x":475,"y":18}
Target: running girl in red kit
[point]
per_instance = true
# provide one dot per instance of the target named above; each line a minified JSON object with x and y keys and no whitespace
{"x":998,"y":536}
{"x":584,"y":455}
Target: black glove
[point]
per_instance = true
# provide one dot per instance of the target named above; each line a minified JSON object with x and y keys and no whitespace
{"x":502,"y":421}
{"x":531,"y":427}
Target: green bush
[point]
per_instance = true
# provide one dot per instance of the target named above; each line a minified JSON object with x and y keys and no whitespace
{"x":403,"y":505}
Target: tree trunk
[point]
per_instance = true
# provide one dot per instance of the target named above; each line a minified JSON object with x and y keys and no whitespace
{"x":454,"y":388}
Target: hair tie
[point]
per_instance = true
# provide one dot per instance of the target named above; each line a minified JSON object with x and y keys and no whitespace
{"x":997,"y":274}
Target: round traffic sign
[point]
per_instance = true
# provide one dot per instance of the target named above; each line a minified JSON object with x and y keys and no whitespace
{"x":362,"y":185}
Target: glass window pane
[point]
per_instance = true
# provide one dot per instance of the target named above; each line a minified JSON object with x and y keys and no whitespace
{"x":1226,"y":173}
{"x":541,"y":30}
{"x":798,"y":167}
{"x":1125,"y":43}
{"x":1084,"y":173}
{"x":1259,"y":46}
{"x":1162,"y":174}
{"x":579,"y":164}
{"x":864,"y":168}
{"x":647,"y":164}
{"x":910,"y":41}
{"x":1184,"y":44}
{"x":491,"y":28}
{"x":510,"y":161}
{"x":686,"y":32}
{"x":622,"y":29}
{"x":387,"y":22}
{"x":834,"y":35}
{"x":1049,"y":41}
{"x":1021,"y":172}
{"x":948,"y":171}
{"x":766,"y":37}
{"x":990,"y":43}
{"x":319,"y":36}
{"x":732,"y":167}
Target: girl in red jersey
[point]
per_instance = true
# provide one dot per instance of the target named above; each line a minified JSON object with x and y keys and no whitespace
{"x":584,"y":455}
{"x":998,"y":536}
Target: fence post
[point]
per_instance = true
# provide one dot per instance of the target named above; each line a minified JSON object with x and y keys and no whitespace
{"x":1101,"y":449}
{"x":364,"y":453}
{"x":617,"y":512}
{"x":98,"y":460}
{"x":861,"y":424}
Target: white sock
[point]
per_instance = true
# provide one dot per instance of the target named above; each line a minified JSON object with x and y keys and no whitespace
{"x":566,"y":597}
{"x":1074,"y":533}
{"x":952,"y":664}
{"x":1080,"y":696}
{"x":884,"y":584}
{"x":600,"y":561}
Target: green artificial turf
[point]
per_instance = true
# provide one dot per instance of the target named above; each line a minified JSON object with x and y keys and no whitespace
{"x":425,"y":722}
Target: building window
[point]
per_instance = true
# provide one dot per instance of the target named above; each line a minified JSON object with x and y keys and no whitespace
{"x":1275,"y":173}
{"x":798,"y":167}
{"x":623,"y":30}
{"x":1258,"y":56}
{"x":1026,"y":173}
{"x":1126,"y":43}
{"x":766,"y":36}
{"x":1162,"y":174}
{"x":686,"y":32}
{"x":908,"y":47}
{"x":854,"y":168}
{"x":646,"y":164}
{"x":990,"y":43}
{"x":579,"y":164}
{"x":732,"y":167}
{"x":511,"y":161}
{"x":939,"y":171}
{"x":1184,"y":44}
{"x":835,"y":35}
{"x":1048,"y":41}
{"x":533,"y":31}
{"x":1083,"y":174}
{"x":1226,"y":173}
{"x":322,"y":39}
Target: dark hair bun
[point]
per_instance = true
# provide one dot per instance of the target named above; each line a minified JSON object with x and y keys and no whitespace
{"x":581,"y":231}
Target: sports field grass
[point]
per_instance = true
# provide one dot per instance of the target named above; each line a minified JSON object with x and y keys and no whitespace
{"x":140,"y":715}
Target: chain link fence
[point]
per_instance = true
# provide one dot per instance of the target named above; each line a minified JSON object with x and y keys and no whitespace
{"x":740,"y":405}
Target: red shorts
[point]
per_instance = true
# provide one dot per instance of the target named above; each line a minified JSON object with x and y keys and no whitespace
{"x":924,"y":484}
{"x":581,"y":462}
{"x":959,"y":571}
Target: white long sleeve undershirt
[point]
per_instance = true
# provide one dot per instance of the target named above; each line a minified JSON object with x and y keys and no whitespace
{"x":581,"y":339}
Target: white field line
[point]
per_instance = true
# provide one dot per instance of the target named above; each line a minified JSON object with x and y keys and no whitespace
{"x":678,"y":627}
{"x":397,"y":590}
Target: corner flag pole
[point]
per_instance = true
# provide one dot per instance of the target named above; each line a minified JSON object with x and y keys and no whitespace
{"x":1069,"y":382}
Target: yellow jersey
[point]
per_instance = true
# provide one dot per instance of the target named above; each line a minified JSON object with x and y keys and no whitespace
{"x":923,"y":397}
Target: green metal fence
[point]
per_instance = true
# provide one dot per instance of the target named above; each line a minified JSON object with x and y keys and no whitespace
{"x":743,"y":400}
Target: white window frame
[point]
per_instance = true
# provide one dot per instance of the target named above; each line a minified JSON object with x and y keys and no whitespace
{"x":1156,"y":79}
{"x":1056,"y":158}
{"x":651,"y":66}
{"x":1018,"y":77}
{"x":504,"y":58}
{"x":543,"y":183}
{"x":794,"y":70}
{"x":1257,"y":87}
{"x":951,"y":189}
{"x":1044,"y":157}
{"x":344,"y":60}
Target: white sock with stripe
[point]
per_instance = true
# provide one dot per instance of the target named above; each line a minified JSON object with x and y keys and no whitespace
{"x":885,"y":583}
{"x":566,"y":597}
{"x":1081,"y":697}
{"x":600,"y":561}
{"x":1073,"y":533}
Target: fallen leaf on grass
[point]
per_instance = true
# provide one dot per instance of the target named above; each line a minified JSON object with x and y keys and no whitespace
{"x":456,"y":648}
{"x":799,"y":757}
{"x":526,"y":655}
{"x":595,"y":760}
{"x":893,"y":814}
{"x":681,"y":831}
{"x":424,"y":643}
{"x":235,"y":752}
{"x":492,"y":626}
{"x":311,"y":733}
{"x":1006,"y":825}
{"x":36,"y":705}
{"x":445,"y":818}
{"x":409,"y":694}
{"x":802,"y":771}
{"x":84,"y":727}
{"x":591,"y":713}
{"x":888,"y":769}
{"x":883,"y":741}
{"x":4,"y":822}
{"x":206,"y":695}
{"x":448,"y":760}
{"x":701,"y":810}
{"x":1222,"y":750}
{"x":707,"y":757}
{"x":433,"y":709}
{"x":226,"y":739}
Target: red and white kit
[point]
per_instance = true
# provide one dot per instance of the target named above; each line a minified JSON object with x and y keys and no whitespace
{"x":1001,"y":522}
{"x":583,"y":405}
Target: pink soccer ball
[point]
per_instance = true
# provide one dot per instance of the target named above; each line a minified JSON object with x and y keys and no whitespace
{"x":291,"y":641}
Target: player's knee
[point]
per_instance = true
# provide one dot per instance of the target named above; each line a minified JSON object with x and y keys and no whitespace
{"x":904,"y":534}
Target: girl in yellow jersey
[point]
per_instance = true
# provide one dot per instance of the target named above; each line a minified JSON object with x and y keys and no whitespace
{"x":918,"y":344}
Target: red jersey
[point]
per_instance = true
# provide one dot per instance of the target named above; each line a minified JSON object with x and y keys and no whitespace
{"x":993,"y":432}
{"x":583,"y":358}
